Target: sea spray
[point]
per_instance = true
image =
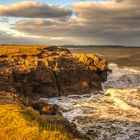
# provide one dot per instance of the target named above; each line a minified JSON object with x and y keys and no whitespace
{"x":112,"y":115}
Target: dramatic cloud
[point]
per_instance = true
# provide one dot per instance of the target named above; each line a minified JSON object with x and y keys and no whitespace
{"x":34,"y":10}
{"x":108,"y":22}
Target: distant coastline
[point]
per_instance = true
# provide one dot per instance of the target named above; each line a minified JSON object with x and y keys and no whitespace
{"x":76,"y":46}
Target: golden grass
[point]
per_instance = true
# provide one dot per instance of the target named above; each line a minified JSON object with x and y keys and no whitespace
{"x":20,"y":123}
{"x":19,"y":50}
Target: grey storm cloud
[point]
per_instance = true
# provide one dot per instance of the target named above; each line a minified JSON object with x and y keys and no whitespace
{"x":34,"y":10}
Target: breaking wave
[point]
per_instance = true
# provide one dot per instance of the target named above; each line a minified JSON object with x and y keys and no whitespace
{"x":122,"y":77}
{"x":114,"y":115}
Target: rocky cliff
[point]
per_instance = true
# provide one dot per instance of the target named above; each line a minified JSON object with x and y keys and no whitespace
{"x":53,"y":72}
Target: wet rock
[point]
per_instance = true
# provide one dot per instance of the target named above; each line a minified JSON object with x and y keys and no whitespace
{"x":61,"y":121}
{"x":50,"y":110}
{"x":73,"y":81}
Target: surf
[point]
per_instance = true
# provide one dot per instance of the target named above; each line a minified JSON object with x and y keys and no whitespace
{"x":112,"y":114}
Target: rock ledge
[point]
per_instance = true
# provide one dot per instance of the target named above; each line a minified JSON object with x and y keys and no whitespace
{"x":53,"y":72}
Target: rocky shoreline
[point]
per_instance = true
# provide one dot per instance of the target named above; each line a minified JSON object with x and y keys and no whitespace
{"x":48,"y":112}
{"x":51,"y":73}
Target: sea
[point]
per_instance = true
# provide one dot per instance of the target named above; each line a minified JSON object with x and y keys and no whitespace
{"x":114,"y":113}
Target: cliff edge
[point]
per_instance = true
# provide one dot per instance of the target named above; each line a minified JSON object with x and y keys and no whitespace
{"x":52,"y":72}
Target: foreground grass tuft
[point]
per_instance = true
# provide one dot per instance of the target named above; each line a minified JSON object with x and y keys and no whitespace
{"x":20,"y":123}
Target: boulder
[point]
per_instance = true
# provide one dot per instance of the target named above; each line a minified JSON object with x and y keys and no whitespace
{"x":44,"y":108}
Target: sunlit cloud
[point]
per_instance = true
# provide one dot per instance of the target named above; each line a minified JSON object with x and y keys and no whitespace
{"x":34,"y":10}
{"x":104,"y":22}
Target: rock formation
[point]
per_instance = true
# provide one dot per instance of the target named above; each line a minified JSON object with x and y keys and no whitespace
{"x":53,"y":72}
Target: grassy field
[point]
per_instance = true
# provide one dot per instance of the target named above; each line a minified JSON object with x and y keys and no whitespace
{"x":20,"y":123}
{"x":15,"y":50}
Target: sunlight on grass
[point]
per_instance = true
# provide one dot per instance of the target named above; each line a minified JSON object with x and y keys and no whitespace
{"x":19,"y":50}
{"x":18,"y":123}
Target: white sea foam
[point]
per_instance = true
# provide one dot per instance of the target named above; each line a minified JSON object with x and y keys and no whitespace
{"x":114,"y":115}
{"x":122,"y":77}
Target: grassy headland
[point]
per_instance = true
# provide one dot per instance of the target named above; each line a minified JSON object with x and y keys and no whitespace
{"x":19,"y":50}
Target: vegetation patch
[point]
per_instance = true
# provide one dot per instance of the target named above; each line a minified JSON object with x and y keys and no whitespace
{"x":20,"y":50}
{"x":20,"y":123}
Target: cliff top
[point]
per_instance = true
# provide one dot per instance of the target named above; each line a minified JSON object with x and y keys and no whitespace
{"x":51,"y":71}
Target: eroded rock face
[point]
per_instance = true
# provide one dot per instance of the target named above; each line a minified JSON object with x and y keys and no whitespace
{"x":53,"y":72}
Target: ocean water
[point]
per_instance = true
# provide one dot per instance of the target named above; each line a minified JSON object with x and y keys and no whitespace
{"x":114,"y":113}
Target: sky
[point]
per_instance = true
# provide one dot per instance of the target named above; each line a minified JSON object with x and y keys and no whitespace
{"x":69,"y":22}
